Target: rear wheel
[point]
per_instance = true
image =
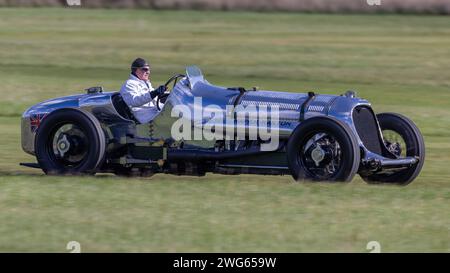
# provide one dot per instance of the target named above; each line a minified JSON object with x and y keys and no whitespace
{"x":402,"y":138}
{"x":323,"y":149}
{"x":70,"y":142}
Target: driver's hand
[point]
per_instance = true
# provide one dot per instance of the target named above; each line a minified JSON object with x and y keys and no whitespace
{"x":161,"y":89}
{"x":158,"y":91}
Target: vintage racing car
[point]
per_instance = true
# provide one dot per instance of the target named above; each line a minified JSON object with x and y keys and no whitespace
{"x":320,"y":137}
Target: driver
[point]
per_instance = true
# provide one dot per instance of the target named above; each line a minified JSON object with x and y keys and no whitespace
{"x":138,"y":93}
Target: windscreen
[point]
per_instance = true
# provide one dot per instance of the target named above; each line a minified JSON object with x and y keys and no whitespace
{"x":194,"y":75}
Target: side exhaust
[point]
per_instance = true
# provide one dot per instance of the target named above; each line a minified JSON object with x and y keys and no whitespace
{"x":198,"y":155}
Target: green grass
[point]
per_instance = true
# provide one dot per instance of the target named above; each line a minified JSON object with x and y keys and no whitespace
{"x":399,"y":63}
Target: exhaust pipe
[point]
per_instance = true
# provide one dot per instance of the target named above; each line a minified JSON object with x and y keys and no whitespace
{"x":199,"y":155}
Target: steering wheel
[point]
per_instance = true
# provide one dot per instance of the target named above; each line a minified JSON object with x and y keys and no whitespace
{"x":162,"y":98}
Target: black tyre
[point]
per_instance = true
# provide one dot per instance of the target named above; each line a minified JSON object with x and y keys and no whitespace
{"x":403,"y":138}
{"x":323,"y":149}
{"x":70,"y":141}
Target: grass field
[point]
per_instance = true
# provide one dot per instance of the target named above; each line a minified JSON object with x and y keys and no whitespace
{"x":399,"y":63}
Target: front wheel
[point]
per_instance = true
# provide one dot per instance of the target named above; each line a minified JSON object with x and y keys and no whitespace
{"x":402,"y":138}
{"x":323,"y":149}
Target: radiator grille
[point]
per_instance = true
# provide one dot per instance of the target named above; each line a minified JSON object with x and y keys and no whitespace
{"x":366,"y":126}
